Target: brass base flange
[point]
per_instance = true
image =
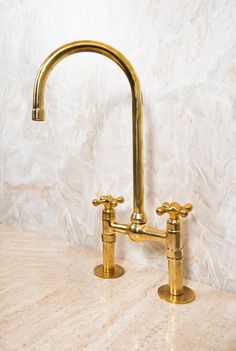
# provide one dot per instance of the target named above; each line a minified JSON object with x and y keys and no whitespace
{"x":118,"y":272}
{"x":187,"y":296}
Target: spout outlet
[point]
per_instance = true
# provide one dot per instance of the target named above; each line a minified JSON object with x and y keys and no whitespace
{"x":38,"y":114}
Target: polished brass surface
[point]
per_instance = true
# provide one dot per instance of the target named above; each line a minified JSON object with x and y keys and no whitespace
{"x":108,"y":269}
{"x":117,"y":272}
{"x":38,"y":113}
{"x":137,"y":229}
{"x":108,"y":201}
{"x":187,"y":296}
{"x":174,"y":253}
{"x":174,"y":209}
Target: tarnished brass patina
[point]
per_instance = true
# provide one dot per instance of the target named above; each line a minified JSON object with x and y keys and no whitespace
{"x":137,"y":229}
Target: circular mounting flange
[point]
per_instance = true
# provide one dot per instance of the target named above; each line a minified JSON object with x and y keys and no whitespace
{"x":187,"y":296}
{"x":118,"y":272}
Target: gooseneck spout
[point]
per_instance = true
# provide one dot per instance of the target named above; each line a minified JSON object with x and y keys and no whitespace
{"x":38,"y":113}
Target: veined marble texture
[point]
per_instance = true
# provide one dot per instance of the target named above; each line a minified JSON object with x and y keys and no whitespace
{"x":51,"y":300}
{"x":184,"y":53}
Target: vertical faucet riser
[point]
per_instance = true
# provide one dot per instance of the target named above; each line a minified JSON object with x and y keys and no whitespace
{"x":108,"y":269}
{"x":175,"y":292}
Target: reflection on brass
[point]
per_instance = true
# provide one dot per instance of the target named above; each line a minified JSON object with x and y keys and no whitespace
{"x":137,"y":229}
{"x":109,"y":269}
{"x":38,"y":113}
{"x":187,"y":295}
{"x":175,"y":292}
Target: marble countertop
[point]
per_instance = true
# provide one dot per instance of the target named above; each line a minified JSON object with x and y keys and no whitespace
{"x":51,"y":301}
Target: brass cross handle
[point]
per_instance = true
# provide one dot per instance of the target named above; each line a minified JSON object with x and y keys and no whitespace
{"x":174,"y":209}
{"x":108,"y":201}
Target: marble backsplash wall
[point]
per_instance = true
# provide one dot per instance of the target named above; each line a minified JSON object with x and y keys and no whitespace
{"x":184,"y":53}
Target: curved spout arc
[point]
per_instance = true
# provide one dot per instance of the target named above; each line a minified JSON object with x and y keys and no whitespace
{"x":84,"y":46}
{"x":137,"y":120}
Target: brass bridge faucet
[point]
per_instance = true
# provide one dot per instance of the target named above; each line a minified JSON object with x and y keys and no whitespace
{"x":137,"y":229}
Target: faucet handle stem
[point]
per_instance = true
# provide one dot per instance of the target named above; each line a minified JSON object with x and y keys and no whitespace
{"x":108,"y":201}
{"x":108,"y":269}
{"x":174,"y":209}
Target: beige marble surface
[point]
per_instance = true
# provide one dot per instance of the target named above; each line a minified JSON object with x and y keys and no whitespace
{"x":50,"y":300}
